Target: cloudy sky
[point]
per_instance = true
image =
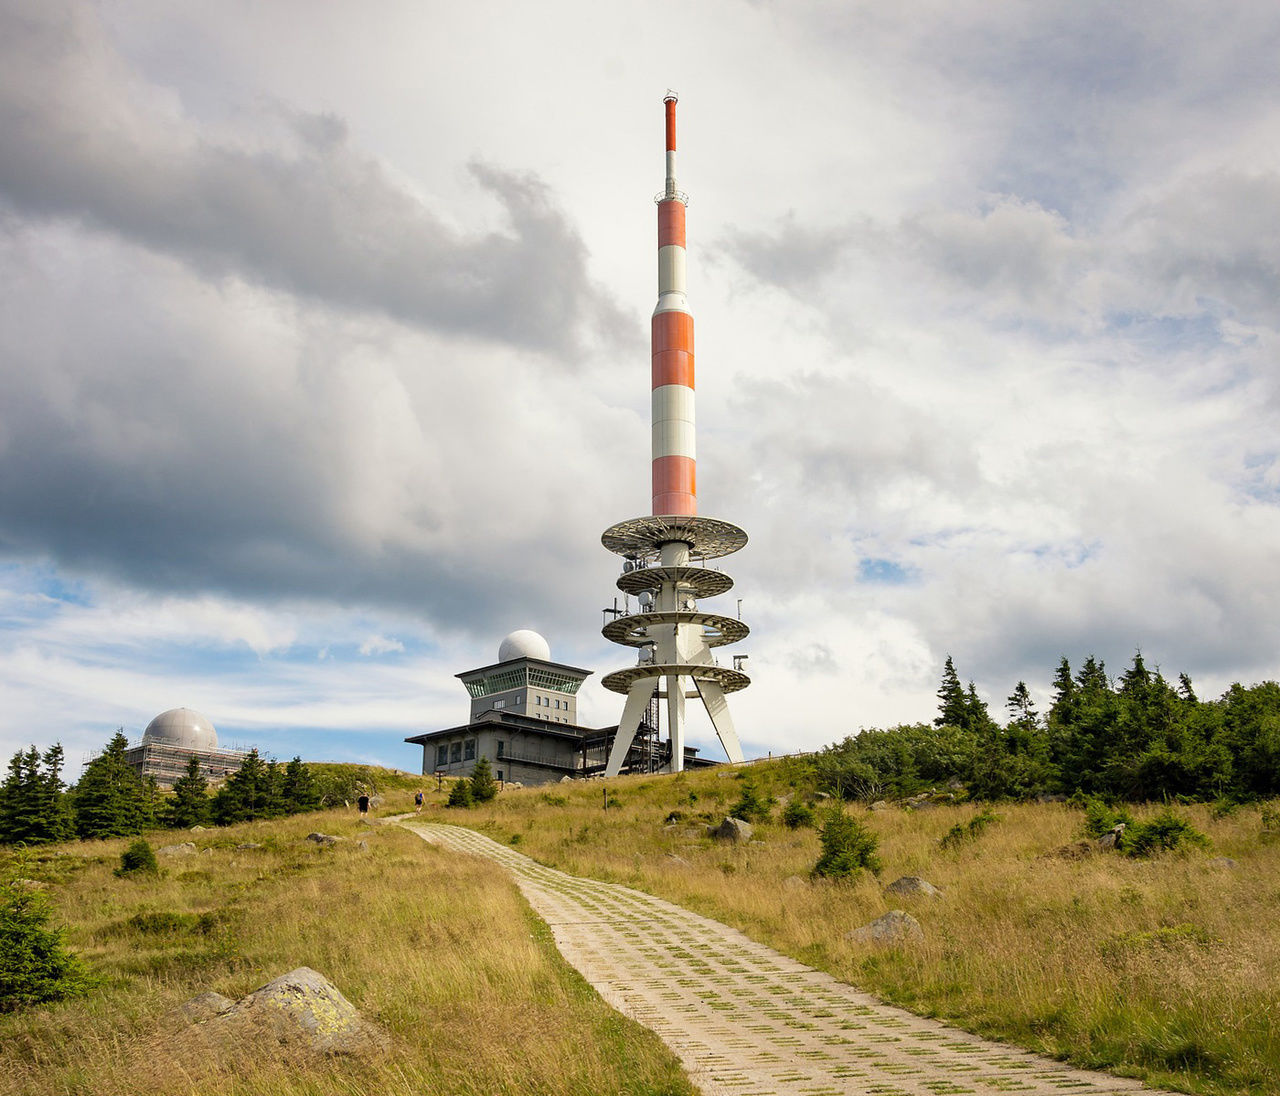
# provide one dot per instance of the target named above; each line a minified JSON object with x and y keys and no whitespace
{"x":324,"y":364}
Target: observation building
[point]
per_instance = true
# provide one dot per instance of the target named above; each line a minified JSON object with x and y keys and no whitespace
{"x":524,"y":719}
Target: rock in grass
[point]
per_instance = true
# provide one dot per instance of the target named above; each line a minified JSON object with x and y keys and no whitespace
{"x":731,"y":829}
{"x":187,"y":848}
{"x":206,"y":1006}
{"x":894,"y":927}
{"x":914,"y":886}
{"x":1223,"y":863}
{"x":324,"y":838}
{"x":303,"y":1010}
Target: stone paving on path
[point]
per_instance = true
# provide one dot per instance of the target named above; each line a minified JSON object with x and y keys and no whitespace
{"x":748,"y":1021}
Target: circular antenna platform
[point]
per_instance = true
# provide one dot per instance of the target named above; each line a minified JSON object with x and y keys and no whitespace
{"x":633,"y":631}
{"x":643,"y":538}
{"x":620,"y":681}
{"x":702,"y":582}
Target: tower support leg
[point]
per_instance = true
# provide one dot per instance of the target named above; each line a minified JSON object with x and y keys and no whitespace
{"x":638,"y":697}
{"x":675,"y":721}
{"x":718,"y":709}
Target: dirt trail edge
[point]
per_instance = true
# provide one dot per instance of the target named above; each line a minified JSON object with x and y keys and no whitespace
{"x":746,"y":1020}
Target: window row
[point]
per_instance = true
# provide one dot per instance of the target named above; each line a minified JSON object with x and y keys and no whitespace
{"x":550,"y":702}
{"x":449,"y":753}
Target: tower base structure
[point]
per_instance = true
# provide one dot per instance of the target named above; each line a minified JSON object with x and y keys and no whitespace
{"x":665,"y":568}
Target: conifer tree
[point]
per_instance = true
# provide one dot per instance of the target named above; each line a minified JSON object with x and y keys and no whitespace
{"x":110,"y":799}
{"x":976,"y":716}
{"x":1021,"y":713}
{"x":245,"y":794}
{"x":953,"y":707}
{"x":300,"y":790}
{"x":460,"y":794}
{"x":35,"y":965}
{"x":483,"y":786}
{"x":33,"y":806}
{"x":190,"y":804}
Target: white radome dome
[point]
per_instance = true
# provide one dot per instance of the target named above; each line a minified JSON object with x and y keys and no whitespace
{"x":524,"y":644}
{"x":182,"y":727}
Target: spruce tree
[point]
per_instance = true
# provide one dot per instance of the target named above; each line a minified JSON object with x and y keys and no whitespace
{"x":300,"y":790}
{"x":483,"y":786}
{"x":35,"y":965}
{"x":460,"y":794}
{"x":848,"y":847}
{"x":190,"y":803}
{"x":976,"y":716}
{"x":110,"y":799}
{"x":33,"y":807}
{"x":1021,"y":713}
{"x":953,"y":708}
{"x":245,"y":794}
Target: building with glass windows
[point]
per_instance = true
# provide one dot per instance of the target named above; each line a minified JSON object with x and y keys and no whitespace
{"x":524,"y":719}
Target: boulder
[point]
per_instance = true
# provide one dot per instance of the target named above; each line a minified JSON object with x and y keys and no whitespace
{"x":794,"y":882}
{"x":894,"y":927}
{"x":1110,"y":840}
{"x":249,"y":845}
{"x":197,"y":829}
{"x":301,"y":1009}
{"x":1223,"y":863}
{"x":915,"y":886}
{"x":187,"y":848}
{"x":879,"y":805}
{"x":731,"y":829}
{"x":206,"y":1006}
{"x":324,"y":838}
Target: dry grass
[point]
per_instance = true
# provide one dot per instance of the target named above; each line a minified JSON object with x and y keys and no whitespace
{"x":1165,"y":969}
{"x":440,"y":950}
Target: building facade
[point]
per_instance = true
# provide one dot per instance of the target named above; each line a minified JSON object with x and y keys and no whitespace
{"x":524,"y":719}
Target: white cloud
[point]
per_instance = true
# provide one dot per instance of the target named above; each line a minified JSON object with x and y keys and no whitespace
{"x":309,"y":341}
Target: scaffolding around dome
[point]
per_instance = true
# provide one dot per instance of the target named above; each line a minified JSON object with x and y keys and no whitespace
{"x":172,"y":739}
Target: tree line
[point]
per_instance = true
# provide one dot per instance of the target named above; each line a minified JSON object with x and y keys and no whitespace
{"x":1136,"y":738}
{"x":111,"y":799}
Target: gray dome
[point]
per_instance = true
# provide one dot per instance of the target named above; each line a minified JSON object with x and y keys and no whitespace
{"x":524,"y":644}
{"x":182,"y":727}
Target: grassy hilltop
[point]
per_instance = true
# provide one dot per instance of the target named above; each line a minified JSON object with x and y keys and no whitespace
{"x":1164,"y":967}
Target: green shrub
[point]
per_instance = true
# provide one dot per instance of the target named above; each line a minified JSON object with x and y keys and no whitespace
{"x":1168,"y":830}
{"x":751,"y":805}
{"x":959,"y":833}
{"x":483,"y":786}
{"x":1270,"y":818}
{"x":848,"y":847}
{"x":1101,"y":819}
{"x":35,"y":965}
{"x":138,"y":859}
{"x":460,"y":794}
{"x":797,"y":815}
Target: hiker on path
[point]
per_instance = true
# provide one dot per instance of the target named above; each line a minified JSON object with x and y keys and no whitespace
{"x":417,"y":802}
{"x":363,"y":804}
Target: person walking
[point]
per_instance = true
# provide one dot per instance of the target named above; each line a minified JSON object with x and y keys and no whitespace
{"x":363,"y":804}
{"x":417,"y":802}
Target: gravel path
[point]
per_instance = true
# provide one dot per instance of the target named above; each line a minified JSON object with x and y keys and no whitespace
{"x":746,"y":1020}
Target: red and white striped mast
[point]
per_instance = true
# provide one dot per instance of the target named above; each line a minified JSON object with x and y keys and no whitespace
{"x":665,"y":554}
{"x":675,"y":481}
